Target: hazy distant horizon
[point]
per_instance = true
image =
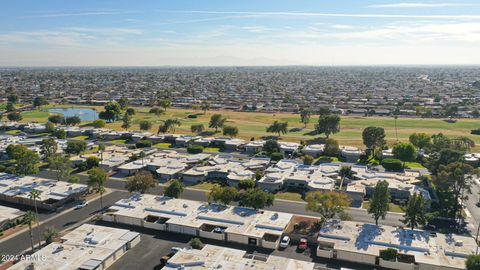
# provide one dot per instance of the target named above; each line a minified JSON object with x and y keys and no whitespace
{"x":241,"y":33}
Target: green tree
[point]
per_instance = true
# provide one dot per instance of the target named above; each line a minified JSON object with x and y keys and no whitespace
{"x":278,"y":127}
{"x":14,"y":116}
{"x":331,"y":147}
{"x":224,"y":195}
{"x":473,"y":262}
{"x":379,"y":201}
{"x":145,"y":125}
{"x":141,"y":182}
{"x":10,"y":107}
{"x":130,"y":111}
{"x":246,"y":184}
{"x":49,"y":127}
{"x":75,"y":147}
{"x":305,"y":114}
{"x":415,"y":211}
{"x":157,"y":111}
{"x":328,"y":124}
{"x":99,"y":123}
{"x":169,"y":125}
{"x":26,"y":160}
{"x":13,"y":98}
{"x":205,"y":106}
{"x":174,"y":189}
{"x":35,"y":195}
{"x":40,"y":101}
{"x":49,"y":234}
{"x":420,"y":140}
{"x":60,"y":134}
{"x":404,"y":152}
{"x":373,"y":139}
{"x":327,"y":204}
{"x":256,"y":198}
{"x":230,"y":131}
{"x":271,"y":146}
{"x":217,"y":121}
{"x":127,"y":121}
{"x":72,"y":121}
{"x":111,"y":113}
{"x":457,"y":178}
{"x":48,"y":148}
{"x":345,"y":172}
{"x":164,"y":103}
{"x":123,"y":102}
{"x":308,"y":160}
{"x":57,"y":119}
{"x":196,"y":243}
{"x":197,"y":128}
{"x":97,"y":179}
{"x":28,"y":219}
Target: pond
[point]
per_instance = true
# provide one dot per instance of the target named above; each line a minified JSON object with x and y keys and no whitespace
{"x":85,"y":114}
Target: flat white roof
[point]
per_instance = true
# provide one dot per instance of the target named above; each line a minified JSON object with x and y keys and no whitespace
{"x":363,"y":238}
{"x":239,"y":220}
{"x":21,"y":186}
{"x":85,"y":247}
{"x":8,"y":213}
{"x":215,"y":257}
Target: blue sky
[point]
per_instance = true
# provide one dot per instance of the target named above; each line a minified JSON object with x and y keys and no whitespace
{"x":243,"y":32}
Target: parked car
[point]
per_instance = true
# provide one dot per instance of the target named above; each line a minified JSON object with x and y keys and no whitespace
{"x":81,"y":205}
{"x":285,"y":242}
{"x":174,"y":250}
{"x":219,"y":230}
{"x":302,"y":245}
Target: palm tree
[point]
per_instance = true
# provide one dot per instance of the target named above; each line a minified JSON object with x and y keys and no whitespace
{"x":28,"y":219}
{"x":97,"y":179}
{"x":101,"y":149}
{"x":34,"y":195}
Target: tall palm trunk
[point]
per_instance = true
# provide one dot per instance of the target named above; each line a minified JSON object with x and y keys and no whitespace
{"x":31,"y":236}
{"x":38,"y":223}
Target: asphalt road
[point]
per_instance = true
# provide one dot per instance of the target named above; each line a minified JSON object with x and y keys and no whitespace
{"x":357,"y":214}
{"x":62,"y":221}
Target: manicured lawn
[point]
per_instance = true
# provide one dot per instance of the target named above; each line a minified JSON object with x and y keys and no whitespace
{"x":80,"y":138}
{"x":253,"y":124}
{"x":291,"y":196}
{"x":119,"y":141}
{"x":393,"y":207}
{"x":414,"y":165}
{"x":205,"y":186}
{"x":13,"y":131}
{"x":163,"y":145}
{"x":211,"y":149}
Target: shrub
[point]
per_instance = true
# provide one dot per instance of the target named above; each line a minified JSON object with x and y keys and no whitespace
{"x":325,"y":159}
{"x":475,"y":132}
{"x":196,"y":243}
{"x":99,"y":123}
{"x":92,"y":162}
{"x":276,"y":156}
{"x":194,"y":149}
{"x":192,"y":116}
{"x":392,"y":164}
{"x":246,"y":184}
{"x":389,"y":254}
{"x":2,"y":168}
{"x":143,"y":144}
{"x":308,"y":160}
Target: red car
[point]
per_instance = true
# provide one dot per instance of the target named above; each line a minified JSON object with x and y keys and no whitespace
{"x":303,"y":244}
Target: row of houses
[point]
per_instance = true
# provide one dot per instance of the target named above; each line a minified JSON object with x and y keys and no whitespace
{"x":342,"y":240}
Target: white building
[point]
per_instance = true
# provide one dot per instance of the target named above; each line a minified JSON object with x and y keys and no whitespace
{"x":87,"y":247}
{"x":16,"y":189}
{"x":235,"y":224}
{"x":8,"y":215}
{"x":314,"y":150}
{"x":215,"y":257}
{"x":418,"y":249}
{"x":254,"y":147}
